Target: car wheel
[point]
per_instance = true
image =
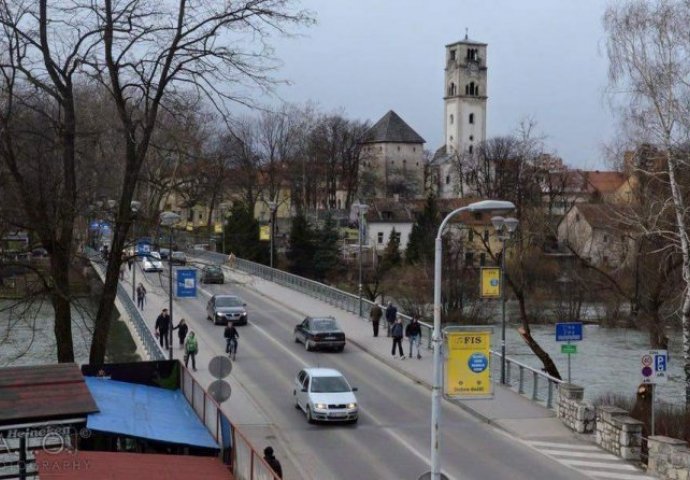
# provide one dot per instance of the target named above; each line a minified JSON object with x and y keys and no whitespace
{"x":310,"y":419}
{"x":340,"y":349}
{"x":296,"y":339}
{"x":294,"y":394}
{"x":307,"y":345}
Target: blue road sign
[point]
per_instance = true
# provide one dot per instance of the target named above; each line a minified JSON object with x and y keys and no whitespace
{"x":655,"y":366}
{"x":478,"y":362}
{"x":143,"y":248}
{"x":660,"y":363}
{"x":569,"y":332}
{"x":186,"y":282}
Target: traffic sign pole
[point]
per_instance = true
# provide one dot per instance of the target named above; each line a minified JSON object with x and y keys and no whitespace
{"x":653,"y":401}
{"x":569,"y":363}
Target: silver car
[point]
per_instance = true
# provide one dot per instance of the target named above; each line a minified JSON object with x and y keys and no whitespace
{"x":324,"y":394}
{"x":152,"y":262}
{"x":225,"y":309}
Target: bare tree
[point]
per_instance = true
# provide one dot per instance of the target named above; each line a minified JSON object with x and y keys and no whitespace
{"x":648,"y":49}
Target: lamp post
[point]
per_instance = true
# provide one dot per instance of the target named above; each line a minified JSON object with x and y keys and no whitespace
{"x":362,"y":210}
{"x":168,"y":219}
{"x":483,"y":206}
{"x":273,"y":205}
{"x":134,"y":206}
{"x":505,"y":228}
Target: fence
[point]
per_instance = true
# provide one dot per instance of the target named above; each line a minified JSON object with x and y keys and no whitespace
{"x":532,"y":383}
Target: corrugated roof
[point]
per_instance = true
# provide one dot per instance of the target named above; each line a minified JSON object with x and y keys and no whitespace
{"x":147,"y":412}
{"x":392,"y":129}
{"x":45,"y":392}
{"x":603,"y":216}
{"x":605,"y":182}
{"x":85,"y":465}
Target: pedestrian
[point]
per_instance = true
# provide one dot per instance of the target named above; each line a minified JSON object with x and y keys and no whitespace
{"x":141,"y":296}
{"x":191,"y":348}
{"x":182,"y":330}
{"x":397,"y":334}
{"x":375,"y":314}
{"x":273,"y":461}
{"x":130,"y":262}
{"x":122,"y":272}
{"x":391,"y":315}
{"x":163,"y":327}
{"x":231,"y":260}
{"x":413,"y":332}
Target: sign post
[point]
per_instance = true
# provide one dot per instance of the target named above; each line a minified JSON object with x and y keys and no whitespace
{"x":490,"y":283}
{"x":186,"y":282}
{"x":567,"y":332}
{"x":467,"y":366}
{"x":654,"y":370}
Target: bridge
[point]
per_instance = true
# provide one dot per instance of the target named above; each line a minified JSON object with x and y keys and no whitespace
{"x":515,"y":435}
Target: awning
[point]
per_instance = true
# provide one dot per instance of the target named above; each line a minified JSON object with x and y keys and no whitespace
{"x":83,"y":465}
{"x":146,"y":412}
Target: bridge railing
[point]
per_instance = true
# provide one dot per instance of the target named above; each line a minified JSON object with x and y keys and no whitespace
{"x":530,"y":382}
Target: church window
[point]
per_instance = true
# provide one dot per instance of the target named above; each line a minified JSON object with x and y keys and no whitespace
{"x":451,"y":119}
{"x":467,"y":89}
{"x":452,"y":54}
{"x":452,"y":89}
{"x":471,"y":149}
{"x":472,"y":89}
{"x":451,"y":138}
{"x":447,"y":179}
{"x":398,"y":148}
{"x":482,"y":259}
{"x":380,"y":237}
{"x":414,"y":149}
{"x":471,"y":137}
{"x":417,"y":163}
{"x":471,"y":117}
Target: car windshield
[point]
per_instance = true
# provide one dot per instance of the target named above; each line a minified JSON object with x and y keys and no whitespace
{"x":178,"y":254}
{"x":155,"y":256}
{"x":329,"y":385}
{"x":228,"y":302}
{"x":213,"y":270}
{"x":324,"y":324}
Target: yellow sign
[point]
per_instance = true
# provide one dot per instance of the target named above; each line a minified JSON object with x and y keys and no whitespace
{"x":351,"y":234}
{"x":218,"y":228}
{"x":490,"y":282}
{"x":265,"y":232}
{"x":190,"y":227}
{"x":468,"y":363}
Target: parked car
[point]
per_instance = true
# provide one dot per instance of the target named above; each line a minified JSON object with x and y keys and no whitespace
{"x":324,"y":394}
{"x":164,"y":253}
{"x":152,"y":262}
{"x":178,"y":258}
{"x":320,"y":332}
{"x":224,"y":309}
{"x":212,"y":274}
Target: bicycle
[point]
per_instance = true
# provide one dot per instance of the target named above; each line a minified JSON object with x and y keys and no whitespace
{"x":231,"y":348}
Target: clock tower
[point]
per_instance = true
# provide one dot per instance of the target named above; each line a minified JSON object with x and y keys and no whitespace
{"x":465,"y":96}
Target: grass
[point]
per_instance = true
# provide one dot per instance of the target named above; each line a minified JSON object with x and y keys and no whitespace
{"x":121,"y":347}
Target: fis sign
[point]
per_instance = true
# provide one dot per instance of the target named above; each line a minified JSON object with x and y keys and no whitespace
{"x":468,"y":362}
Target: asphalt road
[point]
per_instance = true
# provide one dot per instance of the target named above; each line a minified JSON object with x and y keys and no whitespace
{"x":391,"y":440}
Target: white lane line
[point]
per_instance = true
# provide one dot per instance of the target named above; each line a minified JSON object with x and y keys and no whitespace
{"x":569,"y":446}
{"x":618,"y":476}
{"x":616,"y":466}
{"x":597,"y":456}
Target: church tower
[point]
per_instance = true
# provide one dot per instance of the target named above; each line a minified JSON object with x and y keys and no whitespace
{"x":465,"y":96}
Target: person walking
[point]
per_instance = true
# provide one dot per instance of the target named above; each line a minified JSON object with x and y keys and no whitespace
{"x":375,"y":314}
{"x":182,"y":330}
{"x":273,"y":461}
{"x":397,"y":334}
{"x":191,"y":348}
{"x":163,"y":327}
{"x":391,"y":315}
{"x":141,"y":296}
{"x":413,"y":332}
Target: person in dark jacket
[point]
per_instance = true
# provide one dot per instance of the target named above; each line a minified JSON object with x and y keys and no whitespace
{"x":375,"y":314}
{"x":413,"y":332}
{"x":391,"y":315}
{"x":182,"y":330}
{"x":397,"y":334}
{"x":163,"y":327}
{"x":273,"y":461}
{"x":231,"y":335}
{"x":141,"y":296}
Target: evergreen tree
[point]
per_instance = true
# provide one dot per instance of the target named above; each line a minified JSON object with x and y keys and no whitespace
{"x":242,"y":235}
{"x":327,"y":254}
{"x":391,"y":254}
{"x":300,"y":253}
{"x":420,"y":248}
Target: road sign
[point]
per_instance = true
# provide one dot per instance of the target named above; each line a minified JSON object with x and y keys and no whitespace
{"x":569,"y":332}
{"x":655,"y":366}
{"x":569,"y":349}
{"x":186,"y":282}
{"x":467,"y":369}
{"x":490,"y":282}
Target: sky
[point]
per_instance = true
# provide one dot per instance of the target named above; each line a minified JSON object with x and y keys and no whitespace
{"x":546,"y":61}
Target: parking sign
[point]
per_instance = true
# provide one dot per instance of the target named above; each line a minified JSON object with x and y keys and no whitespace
{"x":655,"y":366}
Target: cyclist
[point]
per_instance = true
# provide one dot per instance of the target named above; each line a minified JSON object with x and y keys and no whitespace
{"x":231,"y":339}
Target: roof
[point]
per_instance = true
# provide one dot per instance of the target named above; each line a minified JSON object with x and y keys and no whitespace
{"x":467,"y":41}
{"x":86,"y":465}
{"x":388,"y":210}
{"x":602,"y":216}
{"x":392,"y":129}
{"x":148,"y":412}
{"x":323,"y":372}
{"x":604,"y":182}
{"x":45,"y":392}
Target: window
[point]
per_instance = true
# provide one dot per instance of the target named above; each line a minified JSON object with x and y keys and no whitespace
{"x":606,"y":239}
{"x":482,"y":259}
{"x":472,"y":118}
{"x":447,"y":179}
{"x":486,"y":235}
{"x":471,"y":137}
{"x":577,"y":217}
{"x":414,"y":149}
{"x":380,"y":237}
{"x":452,"y":54}
{"x":452,"y":89}
{"x":469,"y":258}
{"x":417,"y":163}
{"x":477,"y":215}
{"x":470,"y":235}
{"x":451,"y":119}
{"x":398,"y":148}
{"x":201,"y":215}
{"x":471,"y":149}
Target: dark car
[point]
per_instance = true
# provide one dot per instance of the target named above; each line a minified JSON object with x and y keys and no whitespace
{"x":225,"y":309}
{"x":178,"y":258}
{"x":320,"y":332}
{"x":164,"y":253}
{"x":212,"y":274}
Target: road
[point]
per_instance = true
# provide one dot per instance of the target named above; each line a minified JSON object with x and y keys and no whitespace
{"x":391,"y":440}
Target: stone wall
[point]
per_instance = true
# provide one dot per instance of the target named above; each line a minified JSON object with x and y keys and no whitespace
{"x":618,"y":433}
{"x":575,"y":413}
{"x":669,"y":458}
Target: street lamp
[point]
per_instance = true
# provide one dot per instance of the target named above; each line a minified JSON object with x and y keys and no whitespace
{"x":362,"y":210}
{"x":504,"y":228}
{"x":134,"y":206}
{"x":273,"y":205}
{"x":483,"y":206}
{"x":168,"y":219}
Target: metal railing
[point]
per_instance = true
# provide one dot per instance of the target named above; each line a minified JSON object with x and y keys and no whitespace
{"x":529,"y":382}
{"x":147,"y":340}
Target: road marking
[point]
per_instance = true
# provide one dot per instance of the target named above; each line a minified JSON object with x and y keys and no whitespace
{"x":583,"y":463}
{"x":561,"y":453}
{"x":619,"y":476}
{"x":565,"y":445}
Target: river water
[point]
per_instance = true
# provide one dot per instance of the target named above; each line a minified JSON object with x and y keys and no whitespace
{"x":608,"y":360}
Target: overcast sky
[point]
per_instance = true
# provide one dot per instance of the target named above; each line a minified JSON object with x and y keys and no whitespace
{"x":546,"y":60}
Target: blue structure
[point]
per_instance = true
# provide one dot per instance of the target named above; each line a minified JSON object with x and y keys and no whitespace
{"x":185,"y":283}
